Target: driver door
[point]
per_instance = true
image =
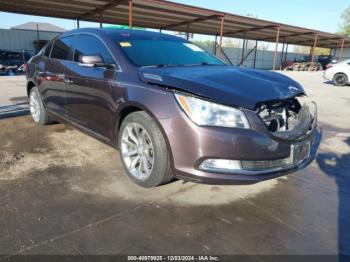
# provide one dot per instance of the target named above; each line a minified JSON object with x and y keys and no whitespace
{"x":88,"y":100}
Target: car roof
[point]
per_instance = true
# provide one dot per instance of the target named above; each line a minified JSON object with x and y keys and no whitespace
{"x":126,"y":34}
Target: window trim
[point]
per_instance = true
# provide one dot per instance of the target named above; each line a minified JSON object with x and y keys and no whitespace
{"x":51,"y":43}
{"x":118,"y":67}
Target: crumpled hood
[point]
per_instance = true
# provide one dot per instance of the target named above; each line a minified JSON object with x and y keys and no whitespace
{"x":225,"y":84}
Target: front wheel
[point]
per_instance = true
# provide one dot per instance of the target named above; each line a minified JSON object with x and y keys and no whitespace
{"x":37,"y":109}
{"x":340,"y":79}
{"x":143,"y":150}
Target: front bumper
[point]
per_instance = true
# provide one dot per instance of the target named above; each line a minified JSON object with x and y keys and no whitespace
{"x":191,"y":145}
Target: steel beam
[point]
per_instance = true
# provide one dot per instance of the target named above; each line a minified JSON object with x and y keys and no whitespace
{"x":247,"y":55}
{"x":78,"y":23}
{"x":290,"y":35}
{"x":222,"y":24}
{"x":308,"y":41}
{"x":198,"y":19}
{"x":286,"y":53}
{"x":276,"y":48}
{"x":101,"y":25}
{"x":332,"y":38}
{"x":250,"y":29}
{"x":314,"y":49}
{"x":243,"y":49}
{"x":130,"y":14}
{"x":103,"y":8}
{"x":341,"y":49}
{"x":215,"y":44}
{"x":255,"y":51}
{"x":282,"y":54}
{"x":188,"y":31}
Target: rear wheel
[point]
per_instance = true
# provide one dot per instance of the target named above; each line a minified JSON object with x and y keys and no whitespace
{"x":340,"y":79}
{"x":143,"y":150}
{"x":37,"y":109}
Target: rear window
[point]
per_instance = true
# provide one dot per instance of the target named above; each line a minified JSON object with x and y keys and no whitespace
{"x":166,"y":53}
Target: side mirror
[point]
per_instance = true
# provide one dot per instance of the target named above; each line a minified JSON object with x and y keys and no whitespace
{"x":94,"y":61}
{"x":90,"y":59}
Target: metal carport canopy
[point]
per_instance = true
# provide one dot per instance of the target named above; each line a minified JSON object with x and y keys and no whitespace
{"x":168,"y":15}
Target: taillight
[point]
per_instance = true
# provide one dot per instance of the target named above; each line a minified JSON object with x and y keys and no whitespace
{"x":328,"y":66}
{"x":25,"y":67}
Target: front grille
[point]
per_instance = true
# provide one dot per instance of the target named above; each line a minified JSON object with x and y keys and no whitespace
{"x":298,"y":153}
{"x":266,"y":164}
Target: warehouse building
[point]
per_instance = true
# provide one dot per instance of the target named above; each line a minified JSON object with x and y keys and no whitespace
{"x":346,"y":53}
{"x":29,"y":37}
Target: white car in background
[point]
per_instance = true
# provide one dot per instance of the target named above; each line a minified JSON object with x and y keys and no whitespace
{"x":339,"y":73}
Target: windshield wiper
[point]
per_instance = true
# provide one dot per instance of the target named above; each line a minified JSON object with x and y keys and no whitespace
{"x":157,"y":66}
{"x":179,"y":65}
{"x":202,"y":64}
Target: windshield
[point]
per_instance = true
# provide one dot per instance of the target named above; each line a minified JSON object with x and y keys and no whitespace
{"x":163,"y":53}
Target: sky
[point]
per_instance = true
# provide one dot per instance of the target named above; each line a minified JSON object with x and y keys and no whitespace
{"x":323,"y":15}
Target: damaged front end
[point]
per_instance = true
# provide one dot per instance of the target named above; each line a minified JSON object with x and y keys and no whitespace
{"x":291,"y":119}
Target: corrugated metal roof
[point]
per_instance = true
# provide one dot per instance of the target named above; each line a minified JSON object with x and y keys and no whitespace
{"x":173,"y":16}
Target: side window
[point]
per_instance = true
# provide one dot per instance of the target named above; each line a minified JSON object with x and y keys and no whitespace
{"x":91,"y":45}
{"x":62,"y":49}
{"x":48,"y":50}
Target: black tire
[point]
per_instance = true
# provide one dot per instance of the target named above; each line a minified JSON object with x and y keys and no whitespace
{"x":340,"y":79}
{"x":161,"y":171}
{"x":43,"y":115}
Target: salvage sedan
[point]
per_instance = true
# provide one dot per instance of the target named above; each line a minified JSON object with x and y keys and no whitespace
{"x":172,"y":109}
{"x":338,"y":73}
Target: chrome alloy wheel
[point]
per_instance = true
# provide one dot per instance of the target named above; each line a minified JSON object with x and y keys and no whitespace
{"x":137,"y":151}
{"x":34,"y":106}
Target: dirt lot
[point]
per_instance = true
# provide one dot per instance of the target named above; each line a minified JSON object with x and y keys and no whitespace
{"x":63,"y":192}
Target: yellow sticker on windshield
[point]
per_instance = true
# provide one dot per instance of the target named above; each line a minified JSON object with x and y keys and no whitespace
{"x":125,"y":44}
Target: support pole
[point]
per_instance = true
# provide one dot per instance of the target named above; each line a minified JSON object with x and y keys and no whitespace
{"x":37,"y":33}
{"x":255,"y":51}
{"x":221,"y":35}
{"x":215,"y":44}
{"x":101,"y":25}
{"x":188,"y":31}
{"x":276,"y":48}
{"x":282,"y":54}
{"x":130,"y":15}
{"x":314,"y":49}
{"x":243,"y":49}
{"x":341,"y":49}
{"x":335,"y":50}
{"x":286,"y":53}
{"x":78,"y":23}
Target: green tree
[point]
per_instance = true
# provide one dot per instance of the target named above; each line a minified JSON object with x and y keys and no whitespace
{"x":204,"y":43}
{"x":228,"y":42}
{"x":344,"y":27}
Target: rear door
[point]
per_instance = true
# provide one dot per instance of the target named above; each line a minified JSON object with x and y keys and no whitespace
{"x":53,"y":78}
{"x":88,"y":94}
